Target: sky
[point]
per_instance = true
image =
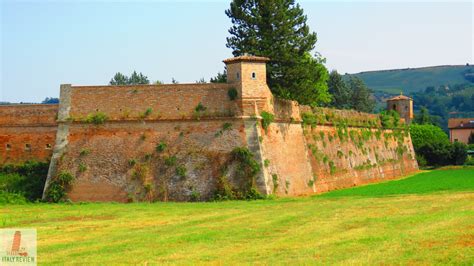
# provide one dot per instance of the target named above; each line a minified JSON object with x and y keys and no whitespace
{"x":47,"y":43}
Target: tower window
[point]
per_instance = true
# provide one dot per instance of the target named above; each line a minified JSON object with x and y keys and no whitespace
{"x":238,"y":75}
{"x":8,"y":147}
{"x":254,"y":75}
{"x":394,"y":107}
{"x":27,"y":147}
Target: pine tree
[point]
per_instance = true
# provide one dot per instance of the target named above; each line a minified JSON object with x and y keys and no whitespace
{"x":361,"y":98}
{"x":119,"y":79}
{"x":220,"y":78}
{"x":138,"y":79}
{"x":278,"y":30}
{"x":135,"y":78}
{"x":341,"y":95}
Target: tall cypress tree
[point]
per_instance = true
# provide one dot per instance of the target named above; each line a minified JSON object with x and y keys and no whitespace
{"x":277,"y":29}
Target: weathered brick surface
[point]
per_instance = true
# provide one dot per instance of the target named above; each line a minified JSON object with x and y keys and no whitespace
{"x":175,"y":101}
{"x":377,"y":159}
{"x":27,"y":132}
{"x":120,"y":162}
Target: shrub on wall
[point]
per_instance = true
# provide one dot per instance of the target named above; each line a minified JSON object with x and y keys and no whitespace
{"x":246,"y":172}
{"x":267,"y":119}
{"x":232,"y":93}
{"x":57,"y":190}
{"x":97,"y":118}
{"x":160,"y":147}
{"x":389,"y":119}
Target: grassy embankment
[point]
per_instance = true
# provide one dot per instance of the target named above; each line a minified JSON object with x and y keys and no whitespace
{"x":427,"y":218}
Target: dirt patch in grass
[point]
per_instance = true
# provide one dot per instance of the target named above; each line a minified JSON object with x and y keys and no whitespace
{"x":466,"y":241}
{"x":70,"y":218}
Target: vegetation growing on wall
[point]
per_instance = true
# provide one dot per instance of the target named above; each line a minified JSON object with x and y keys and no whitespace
{"x":247,"y":169}
{"x":57,"y":190}
{"x":97,"y":118}
{"x":232,"y":93}
{"x":267,"y":119}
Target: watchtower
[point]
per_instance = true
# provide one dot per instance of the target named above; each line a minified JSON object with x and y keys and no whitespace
{"x":403,"y":105}
{"x":249,"y":73}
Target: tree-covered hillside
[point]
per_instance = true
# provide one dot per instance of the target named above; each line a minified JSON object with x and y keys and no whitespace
{"x":416,"y":79}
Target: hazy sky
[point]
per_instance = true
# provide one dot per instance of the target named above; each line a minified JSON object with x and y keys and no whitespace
{"x":86,"y":43}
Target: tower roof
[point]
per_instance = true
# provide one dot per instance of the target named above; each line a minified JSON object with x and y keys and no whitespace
{"x":400,"y":97}
{"x":246,"y":58}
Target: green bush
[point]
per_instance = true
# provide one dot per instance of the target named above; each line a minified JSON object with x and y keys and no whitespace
{"x":267,"y":119}
{"x":170,"y":161}
{"x":26,"y":179}
{"x":469,"y":160}
{"x":432,"y":143}
{"x":181,"y":171}
{"x":458,"y":153}
{"x":57,"y":190}
{"x":232,"y":93}
{"x":389,"y":119}
{"x":11,"y":198}
{"x":200,"y":108}
{"x":160,"y":147}
{"x":97,"y":118}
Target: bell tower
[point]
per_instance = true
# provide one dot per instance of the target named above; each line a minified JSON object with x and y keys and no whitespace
{"x":403,"y":105}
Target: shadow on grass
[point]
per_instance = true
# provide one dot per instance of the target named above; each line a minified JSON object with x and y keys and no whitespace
{"x":423,"y":183}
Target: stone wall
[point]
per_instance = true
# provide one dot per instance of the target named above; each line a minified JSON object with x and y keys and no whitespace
{"x":27,"y":132}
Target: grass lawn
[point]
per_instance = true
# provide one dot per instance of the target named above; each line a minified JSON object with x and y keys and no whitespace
{"x":424,"y":219}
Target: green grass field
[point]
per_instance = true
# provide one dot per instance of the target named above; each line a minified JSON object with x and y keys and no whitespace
{"x":423,"y":219}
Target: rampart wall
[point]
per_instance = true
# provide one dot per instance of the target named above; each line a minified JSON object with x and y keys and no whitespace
{"x":185,"y":142}
{"x":27,"y":132}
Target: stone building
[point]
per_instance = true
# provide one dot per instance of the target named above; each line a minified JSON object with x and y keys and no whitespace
{"x":403,"y":105}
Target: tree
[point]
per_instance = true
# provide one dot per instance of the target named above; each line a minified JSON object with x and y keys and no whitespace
{"x":423,"y":117}
{"x":201,"y":81}
{"x":458,"y":153}
{"x":119,"y":79}
{"x":278,"y":30}
{"x":471,"y":138}
{"x":360,"y":95}
{"x":134,"y":79}
{"x":49,"y":100}
{"x":432,"y":144}
{"x":220,"y":78}
{"x":341,"y":95}
{"x":138,"y":79}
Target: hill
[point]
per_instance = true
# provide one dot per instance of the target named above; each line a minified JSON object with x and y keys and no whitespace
{"x":416,"y":79}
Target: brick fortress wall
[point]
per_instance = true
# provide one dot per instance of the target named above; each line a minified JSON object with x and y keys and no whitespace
{"x":27,"y":132}
{"x":175,"y":142}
